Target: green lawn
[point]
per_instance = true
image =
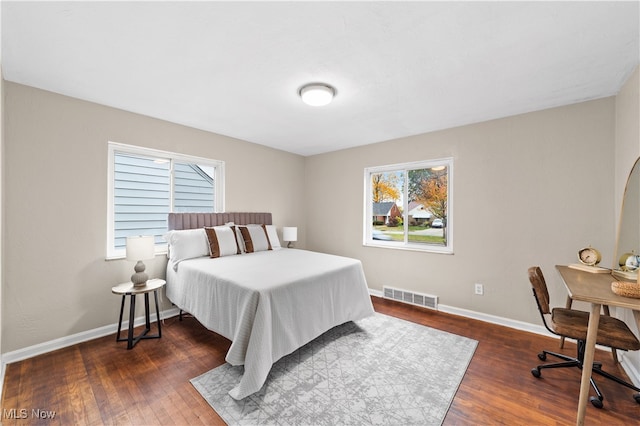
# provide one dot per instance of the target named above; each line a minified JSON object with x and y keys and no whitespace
{"x":427,"y":239}
{"x":430,"y":239}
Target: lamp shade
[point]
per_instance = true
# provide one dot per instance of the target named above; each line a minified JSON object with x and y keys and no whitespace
{"x":140,"y":247}
{"x":290,"y":233}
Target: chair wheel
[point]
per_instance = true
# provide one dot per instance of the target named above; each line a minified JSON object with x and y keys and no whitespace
{"x":536,"y":372}
{"x":637,"y":397}
{"x":595,"y":401}
{"x":542,"y":356}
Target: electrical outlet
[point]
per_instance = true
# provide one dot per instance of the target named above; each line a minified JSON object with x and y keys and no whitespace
{"x":479,"y":289}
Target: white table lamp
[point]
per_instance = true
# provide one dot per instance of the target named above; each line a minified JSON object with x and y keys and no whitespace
{"x":290,"y":234}
{"x":138,"y":249}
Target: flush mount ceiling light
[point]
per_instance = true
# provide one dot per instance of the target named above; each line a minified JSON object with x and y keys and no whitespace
{"x":317,"y":94}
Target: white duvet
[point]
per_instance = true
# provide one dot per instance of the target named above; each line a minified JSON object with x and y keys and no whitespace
{"x":269,"y":303}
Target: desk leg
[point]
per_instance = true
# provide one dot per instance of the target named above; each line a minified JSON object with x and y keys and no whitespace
{"x":590,"y":348}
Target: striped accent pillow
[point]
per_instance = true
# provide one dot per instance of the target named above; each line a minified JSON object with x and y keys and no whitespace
{"x":255,"y":238}
{"x":222,"y":241}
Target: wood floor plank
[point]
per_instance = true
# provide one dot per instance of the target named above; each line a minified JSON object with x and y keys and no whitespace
{"x":101,"y":382}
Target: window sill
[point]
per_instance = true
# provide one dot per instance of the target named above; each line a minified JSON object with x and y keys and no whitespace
{"x":400,"y":246}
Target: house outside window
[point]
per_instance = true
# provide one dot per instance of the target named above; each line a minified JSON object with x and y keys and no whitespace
{"x":385,"y":213}
{"x":408,"y":206}
{"x":146,"y":184}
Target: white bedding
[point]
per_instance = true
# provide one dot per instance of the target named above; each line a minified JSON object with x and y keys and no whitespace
{"x":269,"y":303}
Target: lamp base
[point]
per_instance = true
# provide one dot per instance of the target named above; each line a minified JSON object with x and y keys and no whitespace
{"x":139,"y":279}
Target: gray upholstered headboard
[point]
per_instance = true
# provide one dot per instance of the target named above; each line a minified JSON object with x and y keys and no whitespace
{"x":178,"y":221}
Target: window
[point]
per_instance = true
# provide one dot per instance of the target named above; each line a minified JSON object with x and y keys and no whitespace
{"x":146,"y":184}
{"x":408,"y":206}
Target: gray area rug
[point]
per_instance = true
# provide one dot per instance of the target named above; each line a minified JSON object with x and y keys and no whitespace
{"x":379,"y":371}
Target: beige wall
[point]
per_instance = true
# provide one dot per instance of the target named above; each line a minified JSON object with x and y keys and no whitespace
{"x":56,"y":279}
{"x":627,"y":150}
{"x":528,"y":190}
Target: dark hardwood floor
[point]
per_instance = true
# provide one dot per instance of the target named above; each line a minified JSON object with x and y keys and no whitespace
{"x":101,"y":382}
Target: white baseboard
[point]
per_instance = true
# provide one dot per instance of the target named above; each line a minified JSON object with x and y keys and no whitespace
{"x":377,"y":293}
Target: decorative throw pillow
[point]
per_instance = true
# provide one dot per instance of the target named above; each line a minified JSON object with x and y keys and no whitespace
{"x":255,"y":238}
{"x":222,"y":241}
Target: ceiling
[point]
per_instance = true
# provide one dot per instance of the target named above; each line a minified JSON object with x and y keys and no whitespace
{"x":399,"y":68}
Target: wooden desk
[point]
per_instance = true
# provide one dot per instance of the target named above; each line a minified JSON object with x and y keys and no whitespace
{"x":594,"y":289}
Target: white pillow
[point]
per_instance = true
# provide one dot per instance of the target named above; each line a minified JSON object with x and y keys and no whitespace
{"x":222,"y":241}
{"x":272,"y":233}
{"x":186,"y":244}
{"x":255,"y":238}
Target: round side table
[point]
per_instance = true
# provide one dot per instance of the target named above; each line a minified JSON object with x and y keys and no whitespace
{"x":128,"y":289}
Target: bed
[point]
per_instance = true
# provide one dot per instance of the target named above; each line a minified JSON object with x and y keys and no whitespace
{"x":268,"y":302}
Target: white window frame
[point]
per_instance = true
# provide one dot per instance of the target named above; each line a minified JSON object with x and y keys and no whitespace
{"x":367,"y":239}
{"x":114,"y":147}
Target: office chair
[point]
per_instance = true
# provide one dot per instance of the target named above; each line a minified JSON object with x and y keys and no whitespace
{"x":573,"y":324}
{"x":605,"y":310}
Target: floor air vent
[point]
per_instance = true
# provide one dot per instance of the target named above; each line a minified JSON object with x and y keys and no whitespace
{"x":413,"y":298}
